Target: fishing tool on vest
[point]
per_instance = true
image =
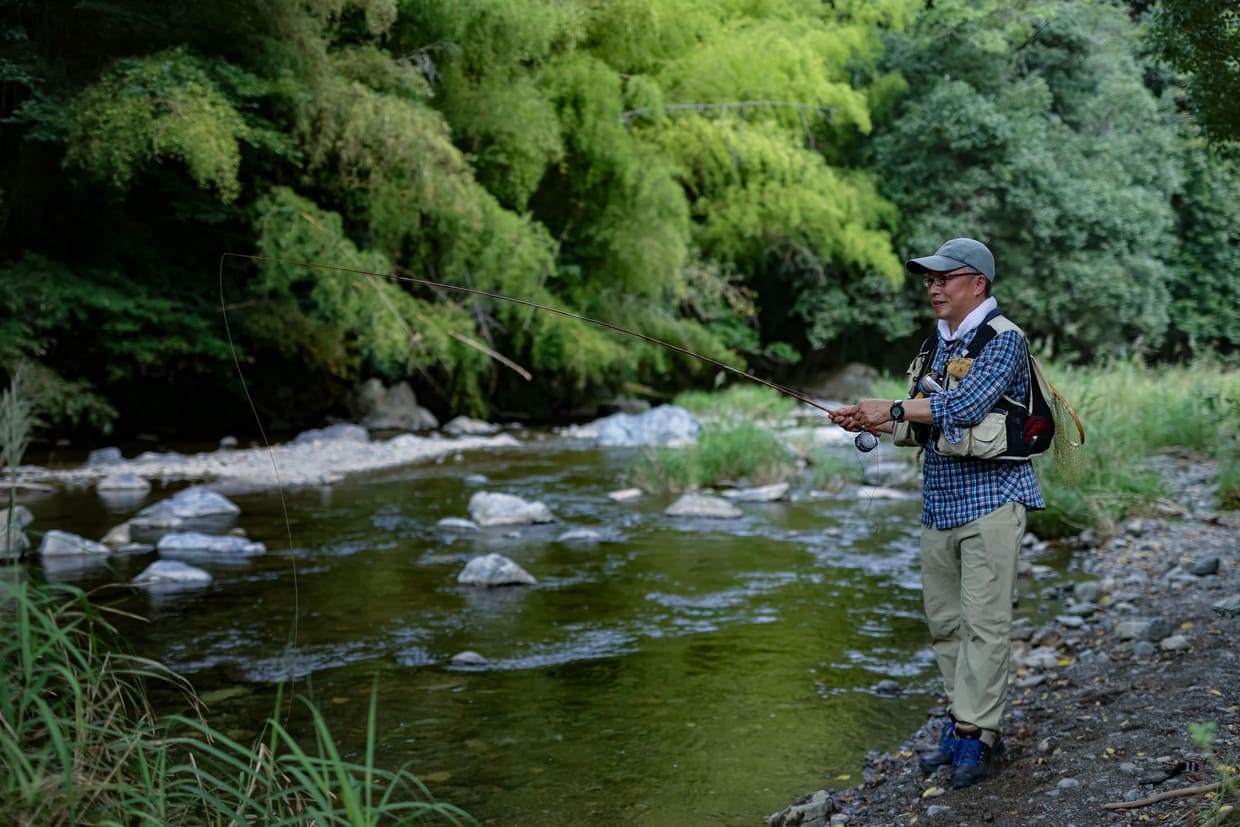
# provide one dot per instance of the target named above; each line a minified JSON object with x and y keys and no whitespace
{"x":929,"y":384}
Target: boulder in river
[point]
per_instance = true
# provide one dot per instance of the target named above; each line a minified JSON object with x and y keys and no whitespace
{"x":759,"y":494}
{"x":171,"y":573}
{"x":21,"y":543}
{"x":664,"y":425}
{"x":192,"y":542}
{"x":63,"y":544}
{"x":391,"y":408}
{"x":457,"y":524}
{"x":490,"y":509}
{"x":703,"y":505}
{"x":494,"y":570}
{"x":189,"y":504}
{"x":810,"y":810}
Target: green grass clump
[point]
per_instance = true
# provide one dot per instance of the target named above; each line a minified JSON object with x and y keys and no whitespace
{"x":741,"y":453}
{"x":1133,"y":413}
{"x":79,"y":744}
{"x":1222,"y":808}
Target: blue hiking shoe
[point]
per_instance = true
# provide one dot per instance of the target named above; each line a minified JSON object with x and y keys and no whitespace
{"x":974,"y":759}
{"x":945,"y":754}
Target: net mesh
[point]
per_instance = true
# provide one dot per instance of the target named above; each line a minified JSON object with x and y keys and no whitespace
{"x":1068,"y":446}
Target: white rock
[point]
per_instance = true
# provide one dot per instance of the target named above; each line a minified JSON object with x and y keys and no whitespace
{"x":703,"y":505}
{"x":579,"y":535}
{"x":194,"y":542}
{"x":457,"y":524}
{"x":625,"y":494}
{"x":494,"y":570}
{"x":759,"y":494}
{"x":189,"y":504}
{"x":489,"y":509}
{"x":171,"y":572}
{"x":21,"y":517}
{"x":118,"y":536}
{"x":63,"y":544}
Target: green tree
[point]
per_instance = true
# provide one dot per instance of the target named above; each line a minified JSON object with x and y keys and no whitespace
{"x":1029,"y":126}
{"x":1201,"y":39}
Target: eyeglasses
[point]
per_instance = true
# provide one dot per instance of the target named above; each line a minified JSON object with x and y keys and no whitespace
{"x":940,"y":281}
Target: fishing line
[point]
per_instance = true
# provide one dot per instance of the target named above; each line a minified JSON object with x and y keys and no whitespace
{"x":396,"y":277}
{"x":864,"y":442}
{"x":288,"y":525}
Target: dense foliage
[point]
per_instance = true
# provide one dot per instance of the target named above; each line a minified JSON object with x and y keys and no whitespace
{"x":1201,"y":38}
{"x":740,"y":178}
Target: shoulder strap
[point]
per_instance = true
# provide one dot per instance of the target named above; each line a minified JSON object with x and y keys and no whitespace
{"x":994,"y":324}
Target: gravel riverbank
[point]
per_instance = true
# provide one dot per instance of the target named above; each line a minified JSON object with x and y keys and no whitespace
{"x":1104,"y":695}
{"x":299,"y":463}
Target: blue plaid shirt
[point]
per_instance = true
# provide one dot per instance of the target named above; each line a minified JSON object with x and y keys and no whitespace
{"x":957,"y":490}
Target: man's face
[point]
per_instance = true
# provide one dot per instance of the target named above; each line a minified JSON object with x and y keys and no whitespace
{"x":955,"y":293}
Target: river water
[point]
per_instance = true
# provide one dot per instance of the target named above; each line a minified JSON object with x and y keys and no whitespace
{"x":679,"y":672}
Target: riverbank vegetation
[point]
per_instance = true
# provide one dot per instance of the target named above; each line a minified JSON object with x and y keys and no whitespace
{"x":1133,"y":414}
{"x":81,"y":744}
{"x":740,"y":179}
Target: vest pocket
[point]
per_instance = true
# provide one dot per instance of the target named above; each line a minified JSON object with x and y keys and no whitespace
{"x":985,"y":440}
{"x":902,"y":435}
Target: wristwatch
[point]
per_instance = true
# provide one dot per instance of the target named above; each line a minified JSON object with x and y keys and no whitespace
{"x":897,"y":411}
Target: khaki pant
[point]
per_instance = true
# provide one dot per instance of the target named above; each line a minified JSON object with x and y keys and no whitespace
{"x":967,"y":577}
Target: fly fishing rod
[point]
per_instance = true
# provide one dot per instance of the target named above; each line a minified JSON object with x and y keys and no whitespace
{"x":865,"y":440}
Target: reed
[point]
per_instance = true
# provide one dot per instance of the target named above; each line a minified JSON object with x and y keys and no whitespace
{"x":739,"y":453}
{"x":80,"y":745}
{"x":17,"y":424}
{"x":1135,"y":417}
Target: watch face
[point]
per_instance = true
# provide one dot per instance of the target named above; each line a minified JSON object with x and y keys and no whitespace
{"x":897,"y":411}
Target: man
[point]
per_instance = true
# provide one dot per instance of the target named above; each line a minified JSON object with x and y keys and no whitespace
{"x":977,"y":489}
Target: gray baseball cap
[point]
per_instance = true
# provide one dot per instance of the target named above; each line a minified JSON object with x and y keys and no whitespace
{"x":959,"y":252}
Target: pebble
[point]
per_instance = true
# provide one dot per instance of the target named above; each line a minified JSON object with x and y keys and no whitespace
{"x":937,"y":809}
{"x":1205,"y":566}
{"x":1068,"y":784}
{"x":1175,"y":643}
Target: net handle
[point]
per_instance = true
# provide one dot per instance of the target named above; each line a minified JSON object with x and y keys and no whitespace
{"x":1080,"y":429}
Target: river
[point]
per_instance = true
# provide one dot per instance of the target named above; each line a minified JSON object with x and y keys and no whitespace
{"x":679,"y":672}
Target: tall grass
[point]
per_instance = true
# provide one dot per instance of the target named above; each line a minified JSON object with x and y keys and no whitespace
{"x":81,"y":746}
{"x":1132,"y":414}
{"x":740,"y":453}
{"x":17,"y":424}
